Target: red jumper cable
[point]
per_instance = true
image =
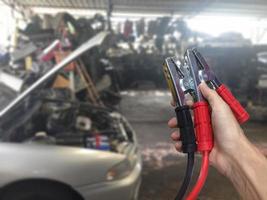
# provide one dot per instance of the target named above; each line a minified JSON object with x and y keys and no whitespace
{"x":200,"y":71}
{"x":202,"y":122}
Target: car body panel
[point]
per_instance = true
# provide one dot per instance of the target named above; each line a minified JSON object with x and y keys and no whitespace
{"x":126,"y":188}
{"x":71,"y":165}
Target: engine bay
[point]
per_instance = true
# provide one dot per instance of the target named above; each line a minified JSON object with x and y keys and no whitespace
{"x":53,"y":118}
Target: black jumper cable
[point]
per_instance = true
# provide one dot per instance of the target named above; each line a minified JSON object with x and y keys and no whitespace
{"x":178,"y":82}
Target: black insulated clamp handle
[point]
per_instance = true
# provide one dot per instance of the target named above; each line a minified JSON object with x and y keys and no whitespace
{"x":186,"y":126}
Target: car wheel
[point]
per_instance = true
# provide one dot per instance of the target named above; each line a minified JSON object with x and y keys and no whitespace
{"x":37,"y":191}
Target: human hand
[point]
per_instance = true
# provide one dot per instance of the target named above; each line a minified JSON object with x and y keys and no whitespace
{"x":227,"y":132}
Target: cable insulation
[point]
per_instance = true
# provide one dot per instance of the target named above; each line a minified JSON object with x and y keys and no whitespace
{"x":188,"y":175}
{"x":202,"y":177}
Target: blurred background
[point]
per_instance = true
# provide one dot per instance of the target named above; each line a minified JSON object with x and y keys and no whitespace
{"x":125,"y":72}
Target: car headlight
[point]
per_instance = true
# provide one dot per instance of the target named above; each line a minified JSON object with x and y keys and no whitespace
{"x":119,"y":171}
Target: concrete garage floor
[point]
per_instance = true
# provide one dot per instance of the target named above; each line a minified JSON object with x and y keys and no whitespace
{"x":148,"y":112}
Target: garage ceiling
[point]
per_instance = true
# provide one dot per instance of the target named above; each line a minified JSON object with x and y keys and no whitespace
{"x":255,"y":8}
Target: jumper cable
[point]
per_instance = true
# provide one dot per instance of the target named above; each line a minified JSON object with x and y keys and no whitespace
{"x":202,"y":122}
{"x":200,"y":71}
{"x":184,"y":77}
{"x":178,"y":82}
{"x":206,"y":74}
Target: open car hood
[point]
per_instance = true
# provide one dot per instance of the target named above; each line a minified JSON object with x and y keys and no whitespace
{"x":93,"y":42}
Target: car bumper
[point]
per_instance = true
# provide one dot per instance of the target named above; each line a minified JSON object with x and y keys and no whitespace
{"x":126,"y":189}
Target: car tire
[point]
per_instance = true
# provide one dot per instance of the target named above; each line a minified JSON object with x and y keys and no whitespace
{"x":37,"y":191}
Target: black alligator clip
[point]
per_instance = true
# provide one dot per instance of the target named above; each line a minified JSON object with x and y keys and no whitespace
{"x":178,"y":82}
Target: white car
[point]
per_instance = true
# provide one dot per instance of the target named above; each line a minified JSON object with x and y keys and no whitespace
{"x":31,"y":171}
{"x":55,"y":149}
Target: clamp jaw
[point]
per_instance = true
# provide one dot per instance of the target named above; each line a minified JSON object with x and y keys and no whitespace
{"x":202,"y":119}
{"x":206,"y":74}
{"x":178,"y":82}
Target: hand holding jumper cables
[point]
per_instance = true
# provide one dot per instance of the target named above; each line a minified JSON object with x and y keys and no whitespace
{"x":215,"y":113}
{"x":232,"y":155}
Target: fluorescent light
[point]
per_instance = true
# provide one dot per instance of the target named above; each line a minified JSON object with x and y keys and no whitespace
{"x":77,"y":12}
{"x":140,"y":15}
{"x":91,"y":12}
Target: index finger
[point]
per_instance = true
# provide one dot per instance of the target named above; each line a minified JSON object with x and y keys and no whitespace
{"x":173,"y":123}
{"x":172,"y":103}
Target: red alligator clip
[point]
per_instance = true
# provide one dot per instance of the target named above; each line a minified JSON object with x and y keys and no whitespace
{"x":208,"y":75}
{"x":202,"y":120}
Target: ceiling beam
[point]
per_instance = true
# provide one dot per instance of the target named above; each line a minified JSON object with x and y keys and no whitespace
{"x":256,"y":8}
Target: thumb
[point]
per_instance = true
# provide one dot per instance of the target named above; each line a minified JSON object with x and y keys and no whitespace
{"x":210,"y":95}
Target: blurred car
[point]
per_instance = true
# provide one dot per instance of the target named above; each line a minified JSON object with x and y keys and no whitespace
{"x":33,"y":171}
{"x":53,"y":147}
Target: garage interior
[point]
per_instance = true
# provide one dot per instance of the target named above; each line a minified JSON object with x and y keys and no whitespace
{"x":124,"y":74}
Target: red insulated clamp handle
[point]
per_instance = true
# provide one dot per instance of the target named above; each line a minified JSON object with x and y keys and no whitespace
{"x":239,"y":112}
{"x":203,"y":128}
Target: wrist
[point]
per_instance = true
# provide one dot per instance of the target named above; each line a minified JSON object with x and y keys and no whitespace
{"x":245,"y":170}
{"x":238,"y":156}
{"x":241,"y":149}
{"x":227,"y":158}
{"x":244,"y":157}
